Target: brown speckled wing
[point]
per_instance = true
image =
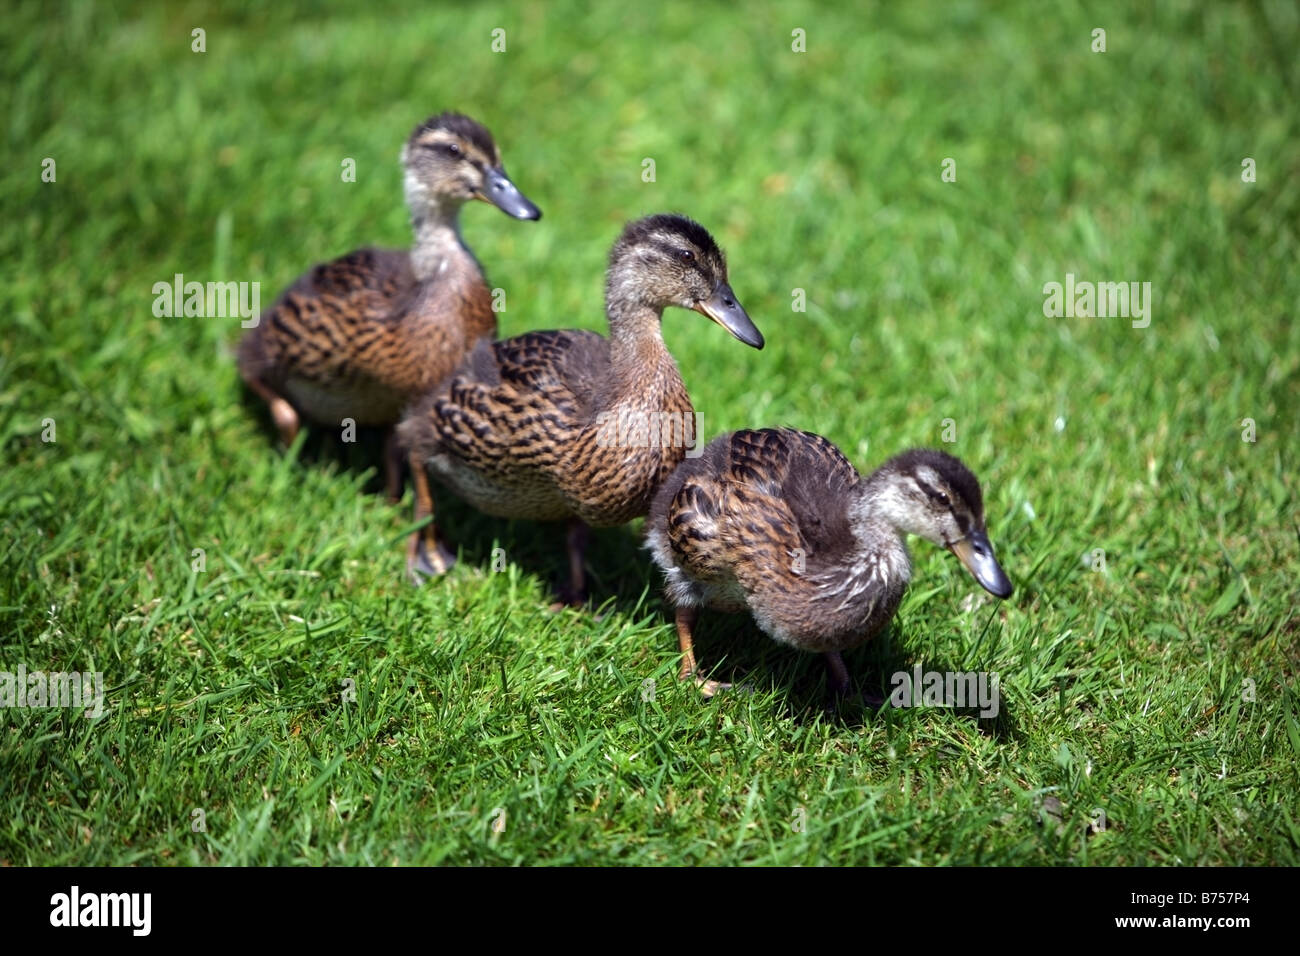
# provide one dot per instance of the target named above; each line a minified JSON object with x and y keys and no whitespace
{"x":520,"y":421}
{"x":771,"y":497}
{"x":514,"y":414}
{"x":761,"y":530}
{"x":306,"y":332}
{"x":516,"y":400}
{"x":694,"y":526}
{"x":816,"y":480}
{"x":360,"y":336}
{"x":567,"y":365}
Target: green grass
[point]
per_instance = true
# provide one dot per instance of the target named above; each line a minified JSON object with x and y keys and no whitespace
{"x":1122,"y":690}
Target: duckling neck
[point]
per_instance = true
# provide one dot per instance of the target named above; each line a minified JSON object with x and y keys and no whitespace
{"x":883,"y":500}
{"x":878,"y":533}
{"x":438,"y":245}
{"x":636,"y":341}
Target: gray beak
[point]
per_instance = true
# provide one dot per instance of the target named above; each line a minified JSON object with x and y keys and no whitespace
{"x":975,"y":552}
{"x":723,"y":308}
{"x":505,"y":195}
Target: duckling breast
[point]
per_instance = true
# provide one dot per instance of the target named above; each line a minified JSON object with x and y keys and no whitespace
{"x":530,"y":497}
{"x":833,"y":611}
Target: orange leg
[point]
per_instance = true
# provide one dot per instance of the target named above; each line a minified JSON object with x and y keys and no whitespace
{"x":686,"y":618}
{"x":425,"y":554}
{"x":282,"y":413}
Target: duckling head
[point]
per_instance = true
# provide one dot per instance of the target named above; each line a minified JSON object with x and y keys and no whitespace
{"x":449,"y":160}
{"x":933,"y":495}
{"x":669,"y":260}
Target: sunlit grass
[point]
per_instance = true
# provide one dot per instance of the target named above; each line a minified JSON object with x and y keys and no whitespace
{"x":1159,"y":690}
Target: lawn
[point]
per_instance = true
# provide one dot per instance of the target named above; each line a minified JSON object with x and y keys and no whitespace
{"x":277,"y":693}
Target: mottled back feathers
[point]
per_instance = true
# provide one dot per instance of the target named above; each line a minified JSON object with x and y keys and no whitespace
{"x":761,"y":522}
{"x":517,"y":431}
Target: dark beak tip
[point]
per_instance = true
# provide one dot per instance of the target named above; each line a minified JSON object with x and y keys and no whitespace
{"x":529,"y":213}
{"x":505,"y":195}
{"x":978,"y":558}
{"x":995,"y":581}
{"x":748,"y":333}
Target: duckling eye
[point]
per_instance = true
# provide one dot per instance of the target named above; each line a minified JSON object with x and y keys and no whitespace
{"x":451,"y":149}
{"x":685,"y":255}
{"x":936,"y":496}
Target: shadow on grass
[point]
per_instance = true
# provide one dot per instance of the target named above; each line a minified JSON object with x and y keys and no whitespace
{"x":323,"y":445}
{"x":731,"y":648}
{"x":618,"y":567}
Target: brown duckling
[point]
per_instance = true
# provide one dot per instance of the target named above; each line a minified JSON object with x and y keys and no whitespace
{"x":363,"y":335}
{"x":532,"y":427}
{"x":779,"y":523}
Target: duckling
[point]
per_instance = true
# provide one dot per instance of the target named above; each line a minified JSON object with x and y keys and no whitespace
{"x":363,"y":335}
{"x":534,"y":426}
{"x":779,"y":523}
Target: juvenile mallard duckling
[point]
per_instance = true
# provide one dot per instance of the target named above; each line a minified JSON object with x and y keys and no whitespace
{"x":778,"y":523}
{"x":531,"y":427}
{"x":363,"y":335}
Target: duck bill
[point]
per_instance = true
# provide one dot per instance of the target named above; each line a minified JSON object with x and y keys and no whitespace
{"x":976,"y":554}
{"x":723,"y":308}
{"x":505,"y":195}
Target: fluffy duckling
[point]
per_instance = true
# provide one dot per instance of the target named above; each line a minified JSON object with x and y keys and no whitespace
{"x":779,"y":523}
{"x":544,"y":426}
{"x":363,"y":335}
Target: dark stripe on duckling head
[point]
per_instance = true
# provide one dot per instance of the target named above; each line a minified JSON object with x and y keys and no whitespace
{"x":461,"y":125}
{"x":934,"y":493}
{"x":957,"y":476}
{"x":656,"y":231}
{"x":959,"y":515}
